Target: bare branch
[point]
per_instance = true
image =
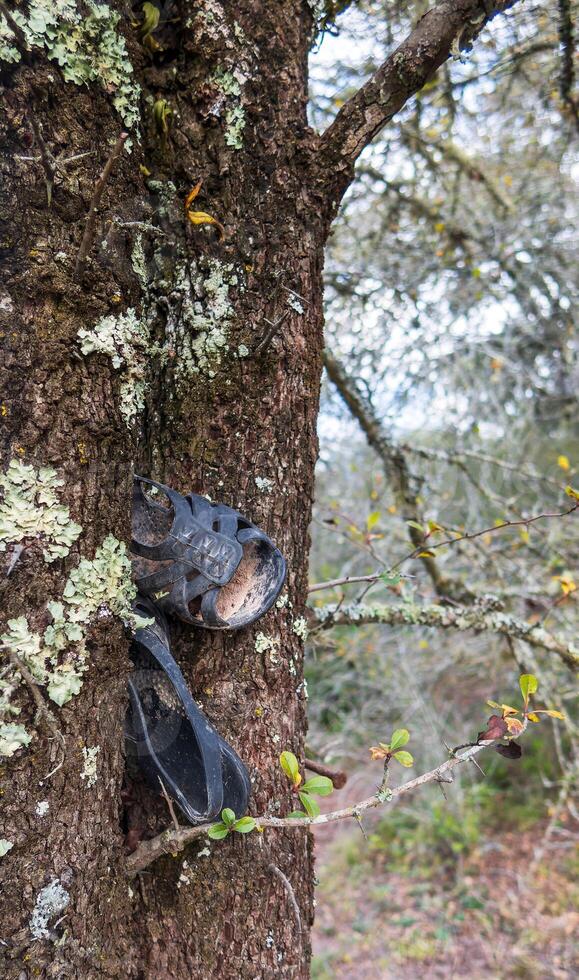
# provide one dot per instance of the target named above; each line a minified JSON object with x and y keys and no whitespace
{"x":567,"y":75}
{"x":338,"y":777}
{"x":449,"y":27}
{"x":292,"y":895}
{"x":89,"y":231}
{"x":43,"y":709}
{"x":464,"y":618}
{"x":397,"y":474}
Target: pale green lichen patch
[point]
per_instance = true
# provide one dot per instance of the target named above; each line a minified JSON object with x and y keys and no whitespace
{"x":229,"y":84}
{"x":300,"y":627}
{"x":51,"y":901}
{"x":57,"y":658}
{"x":5,"y":846}
{"x":198,"y":341}
{"x":126,"y":340}
{"x":12,"y":738}
{"x":264,"y":484}
{"x":84,"y":41}
{"x":30,"y":510}
{"x":89,"y":772}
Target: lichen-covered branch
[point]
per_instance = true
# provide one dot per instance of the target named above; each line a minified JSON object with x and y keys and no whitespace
{"x":449,"y":27}
{"x":474,"y":617}
{"x":173,"y":841}
{"x":567,"y":73}
{"x":396,"y":471}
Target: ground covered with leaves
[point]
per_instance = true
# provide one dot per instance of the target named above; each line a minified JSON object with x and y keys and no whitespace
{"x":474,"y":911}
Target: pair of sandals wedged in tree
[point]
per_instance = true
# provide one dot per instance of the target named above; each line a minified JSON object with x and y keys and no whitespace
{"x":209,"y":566}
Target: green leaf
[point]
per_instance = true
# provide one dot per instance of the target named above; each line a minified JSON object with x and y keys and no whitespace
{"x":290,"y":766}
{"x":528,"y":684}
{"x":218,"y":831}
{"x":404,"y":758}
{"x":391,"y":578}
{"x":228,"y":817}
{"x":373,"y":519}
{"x":399,"y":738}
{"x":310,"y":806}
{"x":416,"y":526}
{"x":296,"y":813}
{"x":244,"y":825}
{"x":320,"y":785}
{"x":151,"y":16}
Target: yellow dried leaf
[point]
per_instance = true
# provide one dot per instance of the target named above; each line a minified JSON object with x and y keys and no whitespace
{"x":563,"y":462}
{"x":533,"y":717}
{"x":567,"y":583}
{"x":507,"y":710}
{"x":514,"y":726}
{"x":572,"y":493}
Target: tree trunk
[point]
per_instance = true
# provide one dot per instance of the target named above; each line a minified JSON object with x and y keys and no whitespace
{"x":229,"y":410}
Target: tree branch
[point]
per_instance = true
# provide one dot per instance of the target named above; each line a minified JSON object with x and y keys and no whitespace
{"x":475,"y":618}
{"x":449,"y":27}
{"x":397,"y":474}
{"x":173,"y":841}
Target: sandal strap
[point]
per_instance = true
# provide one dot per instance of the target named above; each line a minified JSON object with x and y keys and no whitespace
{"x":192,"y":539}
{"x":155,"y":640}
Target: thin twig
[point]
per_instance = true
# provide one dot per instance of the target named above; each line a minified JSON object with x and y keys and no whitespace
{"x":44,"y":710}
{"x":427,"y":545}
{"x":17,"y":552}
{"x":347,"y":580}
{"x":338,"y":777}
{"x":169,"y":802}
{"x":90,"y":227}
{"x":48,"y":161}
{"x":15,"y":28}
{"x":269,"y":334}
{"x":291,"y":894}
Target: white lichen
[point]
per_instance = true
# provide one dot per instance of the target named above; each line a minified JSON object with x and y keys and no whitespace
{"x":295,"y":304}
{"x":57,"y":658}
{"x":300,"y":627}
{"x":89,"y":772}
{"x":42,"y":808}
{"x":126,"y":340}
{"x":30,"y":510}
{"x":264,"y":484}
{"x":264,"y":643}
{"x":197,"y":342}
{"x":284,"y":600}
{"x":50,"y":902}
{"x":12,"y":738}
{"x":5,"y":846}
{"x":84,"y":41}
{"x":242,"y":351}
{"x":229,"y":85}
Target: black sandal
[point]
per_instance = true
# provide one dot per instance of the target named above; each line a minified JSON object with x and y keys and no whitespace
{"x":200,"y":561}
{"x":174,"y":742}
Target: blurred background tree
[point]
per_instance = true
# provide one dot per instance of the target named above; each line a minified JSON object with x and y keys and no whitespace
{"x":451,"y":403}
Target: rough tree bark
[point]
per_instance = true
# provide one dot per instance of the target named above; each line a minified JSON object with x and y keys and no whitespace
{"x":201,"y":368}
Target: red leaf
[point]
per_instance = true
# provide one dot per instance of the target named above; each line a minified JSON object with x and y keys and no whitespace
{"x":496,"y":728}
{"x":512,"y":750}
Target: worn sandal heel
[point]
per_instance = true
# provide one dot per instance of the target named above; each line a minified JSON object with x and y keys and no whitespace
{"x":200,"y":561}
{"x":174,"y":742}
